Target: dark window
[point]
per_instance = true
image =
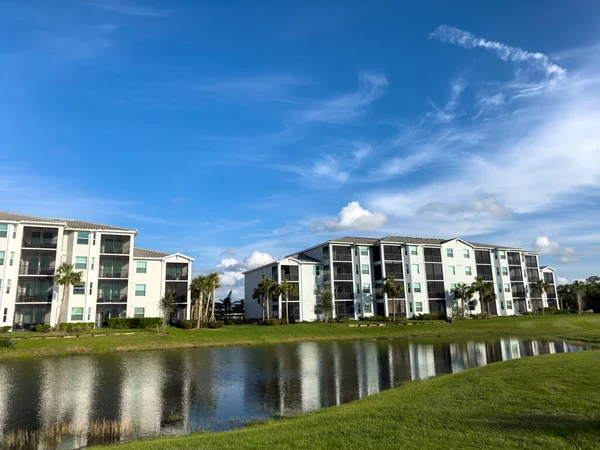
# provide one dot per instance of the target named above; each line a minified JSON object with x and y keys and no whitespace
{"x":551,"y":292}
{"x":533,"y":275}
{"x":513,"y":259}
{"x":343,"y":291}
{"x":434,"y":271}
{"x":549,"y":278}
{"x":531,"y":261}
{"x":516,"y":274}
{"x":394,"y":270}
{"x":377,"y":273}
{"x":432,"y":254}
{"x":342,"y":253}
{"x":485,"y":272}
{"x":518,"y":290}
{"x":435,"y":289}
{"x":482,"y":257}
{"x":289,"y":273}
{"x":376,"y":251}
{"x":274,"y":272}
{"x":392,"y":253}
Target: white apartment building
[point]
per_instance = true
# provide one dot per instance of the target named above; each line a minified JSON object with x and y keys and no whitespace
{"x":354,"y":269}
{"x":119,"y":279}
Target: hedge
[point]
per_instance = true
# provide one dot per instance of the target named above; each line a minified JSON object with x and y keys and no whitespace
{"x":135,"y":322}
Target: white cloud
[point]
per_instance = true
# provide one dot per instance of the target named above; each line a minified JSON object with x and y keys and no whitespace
{"x":561,"y":280}
{"x":257,"y":259}
{"x":232,"y":271}
{"x":348,"y":107}
{"x":545,"y":246}
{"x":352,"y":217}
{"x":448,"y":112}
{"x":505,"y":52}
{"x":330,"y":170}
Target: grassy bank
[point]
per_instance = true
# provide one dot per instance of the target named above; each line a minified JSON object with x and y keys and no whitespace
{"x":568,"y":327}
{"x":545,"y":402}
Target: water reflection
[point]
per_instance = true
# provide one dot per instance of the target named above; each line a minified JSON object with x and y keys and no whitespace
{"x":175,"y":392}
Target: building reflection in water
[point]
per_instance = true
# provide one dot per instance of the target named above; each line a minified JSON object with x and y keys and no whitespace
{"x":178,"y":391}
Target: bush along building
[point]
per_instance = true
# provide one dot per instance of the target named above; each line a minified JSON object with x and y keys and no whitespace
{"x":354,"y":270}
{"x":119,"y":280}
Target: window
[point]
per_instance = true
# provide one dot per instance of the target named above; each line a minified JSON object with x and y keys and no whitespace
{"x":364,"y":251}
{"x":365,"y":269}
{"x":501,"y":305}
{"x":467,"y":270}
{"x":3,"y":230}
{"x":498,"y":271}
{"x":12,"y":258}
{"x":451,"y":270}
{"x":83,"y":237}
{"x":138,"y":312}
{"x":140,"y":290}
{"x":357,"y":288}
{"x":77,"y":313}
{"x":505,"y":271}
{"x":366,"y":288}
{"x":509,"y":304}
{"x":79,"y":290}
{"x":419,"y":306}
{"x":499,"y":287}
{"x":506,"y":287}
{"x":5,"y":315}
{"x":408,"y":287}
{"x":452,"y":287}
{"x":8,"y":286}
{"x":91,"y":287}
{"x":450,"y":253}
{"x":413,"y":249}
{"x":316,"y":271}
{"x":466,"y":253}
{"x":81,"y":262}
{"x":94,"y":239}
{"x":408,"y":269}
{"x":93,"y":261}
{"x":140,"y":266}
{"x":410,"y":306}
{"x":415,"y":269}
{"x":14,"y":231}
{"x":89,"y":314}
{"x":432,"y":254}
{"x":417,"y":287}
{"x":1,"y":258}
{"x":436,"y":289}
{"x":357,"y":271}
{"x":503,"y":256}
{"x":315,"y":289}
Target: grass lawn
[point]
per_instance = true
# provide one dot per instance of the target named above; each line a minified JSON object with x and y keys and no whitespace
{"x":585,"y":328}
{"x":545,"y":402}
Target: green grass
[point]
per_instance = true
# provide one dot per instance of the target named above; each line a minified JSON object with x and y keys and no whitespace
{"x":544,"y":402}
{"x":584,"y":328}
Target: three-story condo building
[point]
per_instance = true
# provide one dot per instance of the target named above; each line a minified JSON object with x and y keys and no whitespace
{"x":354,"y":269}
{"x":119,"y":279}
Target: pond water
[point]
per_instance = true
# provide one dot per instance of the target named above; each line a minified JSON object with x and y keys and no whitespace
{"x":179,"y":391}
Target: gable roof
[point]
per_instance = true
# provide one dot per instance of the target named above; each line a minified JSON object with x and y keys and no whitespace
{"x":69,"y":224}
{"x":146,"y":253}
{"x":303,"y":258}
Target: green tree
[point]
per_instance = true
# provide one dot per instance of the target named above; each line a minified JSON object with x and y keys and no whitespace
{"x":463,"y":292}
{"x":268,"y":289}
{"x":212,"y":285}
{"x":198,"y":291}
{"x":326,"y":304}
{"x":227,"y":305}
{"x":167,"y":306}
{"x":538,"y":289}
{"x":489,"y":297}
{"x":480,"y":286}
{"x":66,"y":277}
{"x":288,"y":289}
{"x":578,"y":288}
{"x":393,"y":290}
{"x":259,"y":296}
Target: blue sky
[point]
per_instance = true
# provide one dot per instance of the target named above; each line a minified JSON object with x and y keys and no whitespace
{"x":237,"y":133}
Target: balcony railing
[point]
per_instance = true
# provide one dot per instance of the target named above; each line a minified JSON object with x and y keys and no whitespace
{"x":177,"y":276}
{"x":112,"y":273}
{"x":26,"y":269}
{"x":112,"y":298}
{"x":115,"y":249}
{"x":343,"y":295}
{"x":39,"y":243}
{"x":290,"y":277}
{"x":342,"y":276}
{"x":337,"y":256}
{"x":39,"y":297}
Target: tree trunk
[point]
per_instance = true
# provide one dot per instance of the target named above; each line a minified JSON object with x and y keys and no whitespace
{"x":205,"y":318}
{"x":62,"y":304}
{"x":262,"y":308}
{"x":579,"y":303}
{"x":212,"y":313}
{"x":462,"y":303}
{"x":394,"y":303}
{"x":287,"y":311}
{"x":199,"y":310}
{"x":268,"y":313}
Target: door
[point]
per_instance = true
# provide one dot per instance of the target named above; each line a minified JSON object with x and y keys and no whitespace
{"x":32,"y":265}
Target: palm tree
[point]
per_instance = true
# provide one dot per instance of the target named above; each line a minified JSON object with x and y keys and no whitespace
{"x":288,"y":289}
{"x":464,"y":293}
{"x":578,"y":288}
{"x":479,"y":286}
{"x":197,"y":289}
{"x":489,"y":296}
{"x":213,"y":283}
{"x":66,"y":277}
{"x":167,"y":305}
{"x":227,"y":305}
{"x":538,"y":288}
{"x":391,"y":289}
{"x":268,"y":288}
{"x":259,"y":296}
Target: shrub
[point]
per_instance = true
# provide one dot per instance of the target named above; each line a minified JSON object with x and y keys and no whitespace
{"x":345,"y":320}
{"x":229,"y":322}
{"x":217,"y":324}
{"x":185,"y":324}
{"x":135,"y":323}
{"x":5,"y":329}
{"x":270,"y":322}
{"x":43,"y":328}
{"x":6,"y":342}
{"x":71,"y":327}
{"x":549,"y":310}
{"x":527,"y":313}
{"x":431,"y":316}
{"x":562,"y":311}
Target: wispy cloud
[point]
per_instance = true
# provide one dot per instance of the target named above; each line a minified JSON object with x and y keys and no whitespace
{"x":347,"y":107}
{"x":448,"y":112}
{"x":126,"y":8}
{"x":536,"y":60}
{"x":352,"y":217}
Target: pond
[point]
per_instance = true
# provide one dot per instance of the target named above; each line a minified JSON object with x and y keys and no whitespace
{"x":180,"y":391}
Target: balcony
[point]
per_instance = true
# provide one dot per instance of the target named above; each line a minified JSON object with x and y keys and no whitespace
{"x":34,"y":297}
{"x":48,"y":244}
{"x":29,"y":269}
{"x":176,"y":276}
{"x":113,"y":273}
{"x":114,"y":249}
{"x":41,"y":238}
{"x":338,"y":256}
{"x":290,"y":277}
{"x":343,"y":276}
{"x":111,"y":298}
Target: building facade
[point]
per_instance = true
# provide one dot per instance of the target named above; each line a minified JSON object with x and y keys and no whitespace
{"x":354,"y":270}
{"x":119,"y":279}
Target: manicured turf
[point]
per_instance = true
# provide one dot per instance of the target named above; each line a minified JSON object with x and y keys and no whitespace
{"x":584,"y":328}
{"x":544,"y":402}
